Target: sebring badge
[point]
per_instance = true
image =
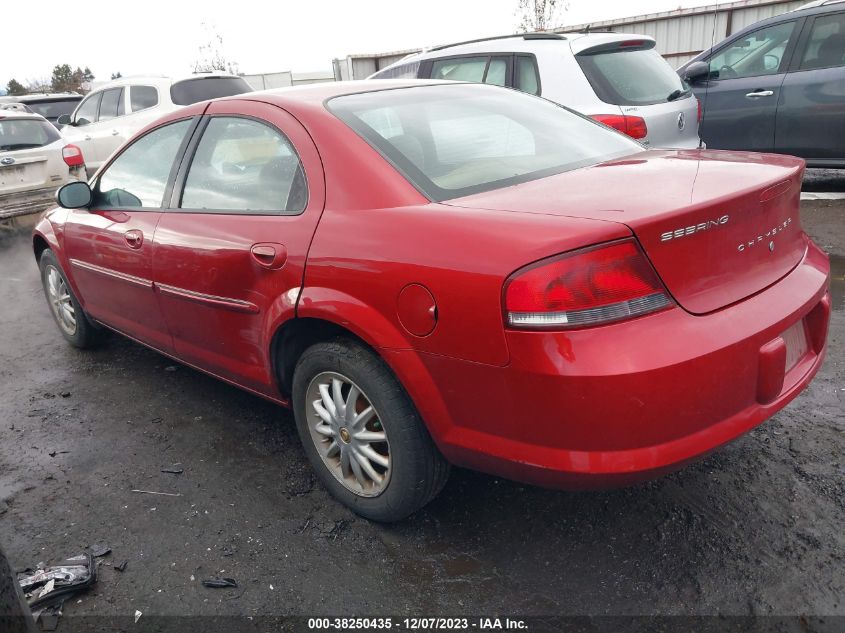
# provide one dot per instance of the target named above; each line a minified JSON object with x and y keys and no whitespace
{"x":695,"y":228}
{"x":7,"y":161}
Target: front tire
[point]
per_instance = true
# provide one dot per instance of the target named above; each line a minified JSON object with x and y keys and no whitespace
{"x":362,"y":433}
{"x":67,"y":312}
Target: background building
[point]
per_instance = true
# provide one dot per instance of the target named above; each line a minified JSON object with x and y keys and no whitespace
{"x":681,"y":34}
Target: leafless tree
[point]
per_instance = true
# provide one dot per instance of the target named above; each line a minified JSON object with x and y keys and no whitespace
{"x":539,"y":15}
{"x":211,"y":57}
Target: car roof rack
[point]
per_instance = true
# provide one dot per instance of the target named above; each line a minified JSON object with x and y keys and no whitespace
{"x":539,"y":35}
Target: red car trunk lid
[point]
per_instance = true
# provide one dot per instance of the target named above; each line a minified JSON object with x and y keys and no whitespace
{"x":718,"y":226}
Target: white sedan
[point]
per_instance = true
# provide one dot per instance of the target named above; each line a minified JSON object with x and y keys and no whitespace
{"x":34,"y":161}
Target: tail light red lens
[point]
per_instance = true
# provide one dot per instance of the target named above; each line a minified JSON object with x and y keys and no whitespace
{"x":633,"y":126}
{"x":72,"y":156}
{"x":592,"y":286}
{"x":700,"y":112}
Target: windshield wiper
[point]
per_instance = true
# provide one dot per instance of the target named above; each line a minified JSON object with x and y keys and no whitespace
{"x":15,"y":146}
{"x":674,"y":95}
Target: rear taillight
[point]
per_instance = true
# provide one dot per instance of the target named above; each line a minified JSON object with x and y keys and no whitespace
{"x":72,"y":156}
{"x":633,"y":126}
{"x":592,"y":286}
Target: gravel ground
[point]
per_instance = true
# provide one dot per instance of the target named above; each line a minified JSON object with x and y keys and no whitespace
{"x":757,"y":528}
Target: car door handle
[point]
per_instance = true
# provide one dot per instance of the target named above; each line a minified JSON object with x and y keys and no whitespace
{"x":134,"y":238}
{"x":269,"y":255}
{"x":760,"y":93}
{"x":114,"y":132}
{"x":87,"y":137}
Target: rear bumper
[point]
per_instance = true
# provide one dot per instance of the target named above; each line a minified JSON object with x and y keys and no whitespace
{"x":625,"y":402}
{"x":34,"y":200}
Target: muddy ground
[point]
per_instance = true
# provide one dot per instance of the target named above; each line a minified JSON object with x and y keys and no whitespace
{"x":757,"y":528}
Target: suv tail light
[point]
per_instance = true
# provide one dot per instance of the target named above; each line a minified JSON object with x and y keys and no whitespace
{"x":72,"y":156}
{"x":592,"y":286}
{"x":633,"y":126}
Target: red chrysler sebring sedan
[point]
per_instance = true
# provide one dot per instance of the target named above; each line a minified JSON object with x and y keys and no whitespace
{"x":432,"y":273}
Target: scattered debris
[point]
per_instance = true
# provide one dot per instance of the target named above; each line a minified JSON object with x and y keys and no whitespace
{"x":219,"y":583}
{"x":165,"y":494}
{"x":65,"y":394}
{"x":47,"y":588}
{"x":122,"y":565}
{"x":173,"y":470}
{"x":138,"y":615}
{"x":98,"y":550}
{"x":171,"y":368}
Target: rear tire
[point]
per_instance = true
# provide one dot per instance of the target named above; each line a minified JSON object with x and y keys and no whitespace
{"x":378,"y":459}
{"x":74,"y":325}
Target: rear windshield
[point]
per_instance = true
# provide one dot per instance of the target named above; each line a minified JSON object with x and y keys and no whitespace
{"x":54,"y":109}
{"x":456,"y":140}
{"x":26,"y":134}
{"x":202,"y":88}
{"x":635,"y":77}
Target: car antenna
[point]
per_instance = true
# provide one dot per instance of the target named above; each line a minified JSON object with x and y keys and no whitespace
{"x":707,"y":85}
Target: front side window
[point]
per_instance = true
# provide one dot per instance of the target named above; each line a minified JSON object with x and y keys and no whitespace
{"x":142,"y":97}
{"x":460,"y":69}
{"x":632,"y":77}
{"x":755,"y":54}
{"x":87,"y":112}
{"x":18,"y":134}
{"x":241,"y":165}
{"x":458,"y":140}
{"x":826,"y":47}
{"x":138,"y":177}
{"x":112,"y":104}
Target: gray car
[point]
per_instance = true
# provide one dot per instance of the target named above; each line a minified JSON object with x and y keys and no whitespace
{"x":617,"y":79}
{"x":777,"y":86}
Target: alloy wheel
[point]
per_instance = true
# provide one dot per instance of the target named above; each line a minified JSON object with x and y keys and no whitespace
{"x":60,"y":301}
{"x":347,"y":433}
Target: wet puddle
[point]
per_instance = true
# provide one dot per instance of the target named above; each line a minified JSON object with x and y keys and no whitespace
{"x":837,"y":281}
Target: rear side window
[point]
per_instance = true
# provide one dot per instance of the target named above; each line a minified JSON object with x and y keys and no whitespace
{"x":138,"y":177}
{"x":632,"y":77}
{"x":142,"y":97}
{"x":25,"y":134}
{"x":403,"y":71}
{"x":87,"y":112}
{"x":482,"y":69}
{"x":203,"y":88}
{"x":112,"y":104}
{"x":241,"y":165}
{"x":526,"y":78}
{"x":826,"y":47}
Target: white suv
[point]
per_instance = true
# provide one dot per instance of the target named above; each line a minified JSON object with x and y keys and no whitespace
{"x":110,"y":115}
{"x":617,"y":79}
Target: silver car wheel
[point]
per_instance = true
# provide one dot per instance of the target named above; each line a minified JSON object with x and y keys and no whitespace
{"x":60,"y":301}
{"x":347,"y":433}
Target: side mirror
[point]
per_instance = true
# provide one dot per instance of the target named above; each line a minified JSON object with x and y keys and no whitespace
{"x":63,"y":119}
{"x":697,"y":71}
{"x":74,"y":195}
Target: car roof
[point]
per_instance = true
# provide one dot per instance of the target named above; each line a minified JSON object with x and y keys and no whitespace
{"x":49,"y":96}
{"x":318,"y":93}
{"x":7,"y":115}
{"x":159,"y":81}
{"x":518,"y":43}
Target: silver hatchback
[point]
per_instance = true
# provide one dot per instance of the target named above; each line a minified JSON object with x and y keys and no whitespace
{"x":616,"y":78}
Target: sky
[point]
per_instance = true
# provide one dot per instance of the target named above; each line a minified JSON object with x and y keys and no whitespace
{"x":157,"y":37}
